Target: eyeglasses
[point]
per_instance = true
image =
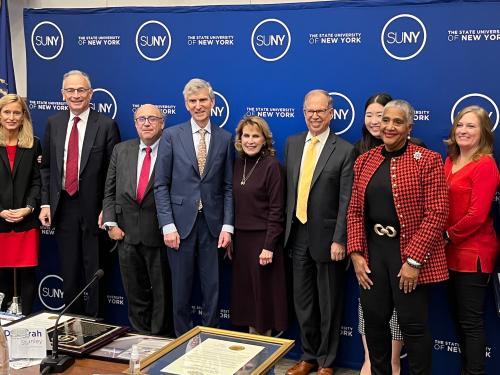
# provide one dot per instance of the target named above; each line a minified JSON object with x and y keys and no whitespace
{"x":153,"y":120}
{"x":79,"y":90}
{"x":319,"y":112}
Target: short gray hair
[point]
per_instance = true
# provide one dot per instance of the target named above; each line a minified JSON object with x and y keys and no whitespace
{"x":76,"y":72}
{"x":319,"y":91}
{"x":404,"y":106}
{"x":195,"y":85}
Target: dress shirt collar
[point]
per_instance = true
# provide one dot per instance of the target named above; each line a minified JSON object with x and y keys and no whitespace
{"x":154,"y":146}
{"x":84,"y":116}
{"x":195,"y":127}
{"x":321,"y":137}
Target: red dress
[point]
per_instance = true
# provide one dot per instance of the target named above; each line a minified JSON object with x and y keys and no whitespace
{"x":18,"y":249}
{"x":470,"y":227}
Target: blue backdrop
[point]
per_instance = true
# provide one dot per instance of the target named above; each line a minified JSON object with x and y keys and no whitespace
{"x":261,"y":60}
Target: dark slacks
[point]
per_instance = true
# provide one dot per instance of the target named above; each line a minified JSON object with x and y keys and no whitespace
{"x":78,"y":245}
{"x":378,"y":304}
{"x":199,"y":252}
{"x":146,"y":280}
{"x":318,"y":292}
{"x":26,"y":287}
{"x":467,"y":295}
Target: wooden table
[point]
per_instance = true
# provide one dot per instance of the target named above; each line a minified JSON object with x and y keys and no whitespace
{"x":83,"y":366}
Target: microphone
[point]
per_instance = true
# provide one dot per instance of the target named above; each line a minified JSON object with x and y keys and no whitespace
{"x":59,"y":363}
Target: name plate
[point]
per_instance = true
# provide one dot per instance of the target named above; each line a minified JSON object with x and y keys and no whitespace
{"x":26,"y":342}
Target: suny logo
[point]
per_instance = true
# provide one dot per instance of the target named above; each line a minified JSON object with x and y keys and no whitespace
{"x":103,"y":101}
{"x":50,"y":292}
{"x":47,"y":40}
{"x":403,"y":37}
{"x":343,"y":112}
{"x":153,"y":40}
{"x":220,"y":112}
{"x":271,"y":39}
{"x":477,"y":99}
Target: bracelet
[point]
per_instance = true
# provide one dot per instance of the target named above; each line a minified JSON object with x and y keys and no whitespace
{"x":413,"y":263}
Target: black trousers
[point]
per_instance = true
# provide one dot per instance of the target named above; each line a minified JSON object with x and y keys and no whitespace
{"x":78,"y":246}
{"x":318,"y":293}
{"x":467,"y":292}
{"x":378,"y":304}
{"x":147,"y":283}
{"x":26,"y":287}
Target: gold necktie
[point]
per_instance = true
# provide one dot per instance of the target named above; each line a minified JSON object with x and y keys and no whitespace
{"x":202,"y":157}
{"x":305,"y":180}
{"x":202,"y":151}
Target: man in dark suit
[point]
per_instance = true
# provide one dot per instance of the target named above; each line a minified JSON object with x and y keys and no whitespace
{"x":77,"y":147}
{"x":319,"y":180}
{"x":194,"y":200}
{"x":129,"y":216}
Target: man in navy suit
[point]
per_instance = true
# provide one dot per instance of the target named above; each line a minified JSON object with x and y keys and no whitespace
{"x":77,"y":147}
{"x":193,"y":193}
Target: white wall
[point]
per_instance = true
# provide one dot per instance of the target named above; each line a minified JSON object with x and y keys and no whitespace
{"x":17,"y":29}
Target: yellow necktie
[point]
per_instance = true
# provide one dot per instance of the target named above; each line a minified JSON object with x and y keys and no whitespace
{"x":305,"y":180}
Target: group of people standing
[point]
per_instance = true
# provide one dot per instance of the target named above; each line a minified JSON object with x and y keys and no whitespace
{"x":176,"y":197}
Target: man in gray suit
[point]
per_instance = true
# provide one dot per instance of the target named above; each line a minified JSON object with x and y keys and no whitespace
{"x":319,"y":179}
{"x":129,"y":215}
{"x":194,"y":200}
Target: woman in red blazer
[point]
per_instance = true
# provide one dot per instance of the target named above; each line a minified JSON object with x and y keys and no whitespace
{"x":19,"y":199}
{"x":472,"y":177}
{"x":397,"y":213}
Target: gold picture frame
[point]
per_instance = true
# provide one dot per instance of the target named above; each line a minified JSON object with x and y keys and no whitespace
{"x":270,"y":350}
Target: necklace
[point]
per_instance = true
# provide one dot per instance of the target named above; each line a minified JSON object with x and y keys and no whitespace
{"x":245,"y":177}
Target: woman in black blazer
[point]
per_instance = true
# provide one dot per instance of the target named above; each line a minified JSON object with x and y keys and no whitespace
{"x":19,"y":200}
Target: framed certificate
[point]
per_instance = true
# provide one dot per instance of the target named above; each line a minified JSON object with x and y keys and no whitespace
{"x":206,"y":351}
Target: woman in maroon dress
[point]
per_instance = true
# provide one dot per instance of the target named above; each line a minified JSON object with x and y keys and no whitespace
{"x":19,"y":199}
{"x":258,"y":290}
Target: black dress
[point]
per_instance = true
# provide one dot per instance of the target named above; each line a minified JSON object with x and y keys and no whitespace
{"x":259,"y":295}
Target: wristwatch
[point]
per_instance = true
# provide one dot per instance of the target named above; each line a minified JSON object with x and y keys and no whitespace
{"x":106,"y":227}
{"x":30,"y":207}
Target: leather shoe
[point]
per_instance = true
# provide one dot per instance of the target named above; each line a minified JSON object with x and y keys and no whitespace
{"x":325,"y":371}
{"x":302,"y":368}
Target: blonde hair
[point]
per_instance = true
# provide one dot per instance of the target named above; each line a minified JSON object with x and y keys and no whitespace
{"x":261,"y":124}
{"x":485,"y":146}
{"x":25,"y":136}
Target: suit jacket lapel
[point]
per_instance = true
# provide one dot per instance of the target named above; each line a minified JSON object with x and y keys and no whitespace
{"x":324,"y":156}
{"x":212,"y":149}
{"x":298,"y":150}
{"x":89,"y":137}
{"x":5,"y":158}
{"x":132,"y":155}
{"x":186,"y":136}
{"x":60,"y":135}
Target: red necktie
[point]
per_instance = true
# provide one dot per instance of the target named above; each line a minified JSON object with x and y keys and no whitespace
{"x":144,"y":177}
{"x":71,"y":182}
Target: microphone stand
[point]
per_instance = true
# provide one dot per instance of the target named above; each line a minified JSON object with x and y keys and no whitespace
{"x":59,"y":363}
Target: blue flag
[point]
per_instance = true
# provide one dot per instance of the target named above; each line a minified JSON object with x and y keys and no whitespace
{"x":7,"y":79}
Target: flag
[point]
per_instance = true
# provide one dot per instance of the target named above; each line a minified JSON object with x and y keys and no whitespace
{"x":7,"y":79}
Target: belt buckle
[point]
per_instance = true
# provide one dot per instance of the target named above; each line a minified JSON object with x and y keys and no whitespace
{"x":388,"y":230}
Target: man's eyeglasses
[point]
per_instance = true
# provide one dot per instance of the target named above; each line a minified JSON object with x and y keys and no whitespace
{"x":319,"y":112}
{"x":80,"y":90}
{"x":153,"y":120}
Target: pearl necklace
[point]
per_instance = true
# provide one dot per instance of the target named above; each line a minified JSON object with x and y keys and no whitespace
{"x":245,"y":177}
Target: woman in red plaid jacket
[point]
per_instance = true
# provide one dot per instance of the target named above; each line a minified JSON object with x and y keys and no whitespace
{"x":396,"y":218}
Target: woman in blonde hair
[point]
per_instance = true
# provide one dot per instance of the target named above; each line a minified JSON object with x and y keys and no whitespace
{"x":19,"y":199}
{"x":259,"y":297}
{"x":472,"y":247}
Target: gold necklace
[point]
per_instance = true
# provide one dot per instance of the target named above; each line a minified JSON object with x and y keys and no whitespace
{"x":245,"y":177}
